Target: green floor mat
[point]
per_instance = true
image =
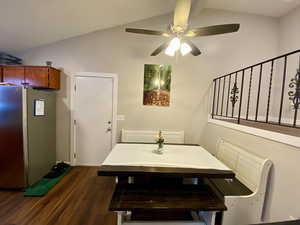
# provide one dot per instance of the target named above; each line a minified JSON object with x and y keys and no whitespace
{"x":43,"y":186}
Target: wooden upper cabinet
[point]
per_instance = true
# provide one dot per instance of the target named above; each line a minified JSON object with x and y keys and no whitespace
{"x":35,"y":76}
{"x":13,"y":74}
{"x":54,"y":79}
{"x":1,"y":76}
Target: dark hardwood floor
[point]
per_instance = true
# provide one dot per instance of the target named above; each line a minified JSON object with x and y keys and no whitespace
{"x":80,"y":198}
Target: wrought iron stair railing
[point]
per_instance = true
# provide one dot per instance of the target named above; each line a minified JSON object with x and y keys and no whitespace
{"x":267,"y":92}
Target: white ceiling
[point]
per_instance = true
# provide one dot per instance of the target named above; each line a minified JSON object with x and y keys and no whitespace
{"x":30,"y":23}
{"x":274,"y":8}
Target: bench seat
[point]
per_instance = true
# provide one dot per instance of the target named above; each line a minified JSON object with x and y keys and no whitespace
{"x":130,"y":197}
{"x":244,"y":195}
{"x":229,"y":187}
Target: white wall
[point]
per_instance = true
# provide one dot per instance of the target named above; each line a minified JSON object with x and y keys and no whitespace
{"x":115,"y":51}
{"x":282,"y":200}
{"x":290,"y":32}
{"x":289,"y":41}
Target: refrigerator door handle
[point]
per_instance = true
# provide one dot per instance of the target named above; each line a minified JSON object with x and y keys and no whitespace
{"x":25,"y":136}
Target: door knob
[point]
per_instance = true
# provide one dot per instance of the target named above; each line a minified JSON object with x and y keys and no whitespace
{"x":108,"y":129}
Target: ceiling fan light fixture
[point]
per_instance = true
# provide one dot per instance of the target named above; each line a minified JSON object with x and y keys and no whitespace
{"x":179,"y":30}
{"x":185,"y":49}
{"x":170,"y":52}
{"x":173,"y":46}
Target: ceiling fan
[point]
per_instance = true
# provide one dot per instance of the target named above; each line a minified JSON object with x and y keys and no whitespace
{"x":179,"y":32}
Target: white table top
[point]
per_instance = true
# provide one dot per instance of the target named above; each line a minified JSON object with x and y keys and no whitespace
{"x":179,"y":156}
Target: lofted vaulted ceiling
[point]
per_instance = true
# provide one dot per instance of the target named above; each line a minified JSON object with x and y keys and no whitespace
{"x":274,"y":8}
{"x":27,"y":24}
{"x":30,"y":23}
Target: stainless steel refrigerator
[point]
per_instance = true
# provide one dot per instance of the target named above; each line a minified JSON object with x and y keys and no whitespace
{"x":27,"y":135}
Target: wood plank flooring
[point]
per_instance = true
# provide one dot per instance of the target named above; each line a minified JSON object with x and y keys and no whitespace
{"x":80,"y":198}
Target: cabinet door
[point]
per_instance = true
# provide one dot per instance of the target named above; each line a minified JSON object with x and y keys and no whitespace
{"x":1,"y":76}
{"x":37,"y":76}
{"x":54,"y":79}
{"x":13,"y":74}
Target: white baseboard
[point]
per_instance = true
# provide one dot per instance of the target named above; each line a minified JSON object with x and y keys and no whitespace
{"x":87,"y":164}
{"x":67,"y":162}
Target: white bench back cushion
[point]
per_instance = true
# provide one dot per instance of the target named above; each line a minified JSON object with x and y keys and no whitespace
{"x":247,"y":167}
{"x":149,"y":136}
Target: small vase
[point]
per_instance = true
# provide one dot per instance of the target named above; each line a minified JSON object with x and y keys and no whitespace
{"x":160,"y":148}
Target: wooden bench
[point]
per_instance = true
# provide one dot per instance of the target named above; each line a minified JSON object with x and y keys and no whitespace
{"x":149,"y":136}
{"x":244,"y":195}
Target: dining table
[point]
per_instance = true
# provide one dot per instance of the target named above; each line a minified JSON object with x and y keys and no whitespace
{"x":165,"y":186}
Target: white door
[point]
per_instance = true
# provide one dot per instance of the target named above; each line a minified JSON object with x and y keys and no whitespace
{"x":93,"y":116}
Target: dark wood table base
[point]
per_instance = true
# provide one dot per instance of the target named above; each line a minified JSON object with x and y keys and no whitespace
{"x":129,"y":197}
{"x":153,"y":198}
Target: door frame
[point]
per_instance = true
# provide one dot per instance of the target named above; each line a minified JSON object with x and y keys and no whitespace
{"x":114,"y":78}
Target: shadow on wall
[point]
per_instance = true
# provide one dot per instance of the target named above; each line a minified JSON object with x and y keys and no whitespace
{"x":63,"y":115}
{"x":201,"y":113}
{"x":268,"y":196}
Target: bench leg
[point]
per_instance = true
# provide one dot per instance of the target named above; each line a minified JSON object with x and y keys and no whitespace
{"x":219,"y":218}
{"x":119,"y":218}
{"x":212,"y":218}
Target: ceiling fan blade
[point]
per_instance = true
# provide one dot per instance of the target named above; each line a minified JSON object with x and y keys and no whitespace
{"x":160,"y":48}
{"x":213,"y":30}
{"x":195,"y":50}
{"x":148,"y":32}
{"x":182,"y":12}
